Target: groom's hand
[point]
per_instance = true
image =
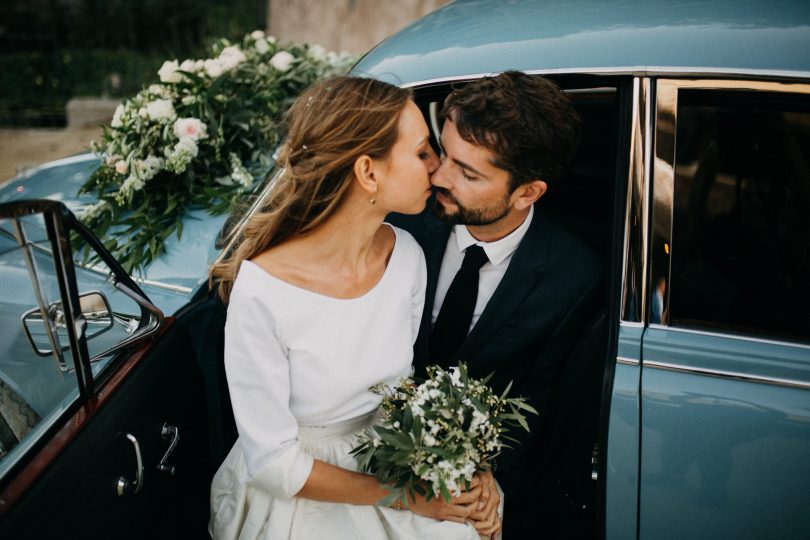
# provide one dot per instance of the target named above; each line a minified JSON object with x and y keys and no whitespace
{"x":485,"y":517}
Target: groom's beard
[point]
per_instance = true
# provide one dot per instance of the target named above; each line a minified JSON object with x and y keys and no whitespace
{"x":469,"y":216}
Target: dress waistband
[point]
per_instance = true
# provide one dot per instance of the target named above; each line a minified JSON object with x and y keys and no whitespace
{"x":339,"y":429}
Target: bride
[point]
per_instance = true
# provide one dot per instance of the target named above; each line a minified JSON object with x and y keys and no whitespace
{"x":324,"y":301}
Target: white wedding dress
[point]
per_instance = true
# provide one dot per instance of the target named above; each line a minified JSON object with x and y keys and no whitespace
{"x":299,"y":365}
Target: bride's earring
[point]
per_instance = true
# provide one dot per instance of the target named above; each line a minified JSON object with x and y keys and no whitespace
{"x":373,"y":201}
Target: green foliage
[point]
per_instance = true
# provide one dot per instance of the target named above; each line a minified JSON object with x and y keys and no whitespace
{"x":437,"y":434}
{"x":198,"y":139}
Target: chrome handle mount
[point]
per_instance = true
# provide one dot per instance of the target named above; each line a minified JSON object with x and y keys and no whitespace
{"x":124,"y":486}
{"x":168,"y":433}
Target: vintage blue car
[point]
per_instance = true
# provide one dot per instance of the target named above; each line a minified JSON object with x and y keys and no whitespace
{"x":683,"y":411}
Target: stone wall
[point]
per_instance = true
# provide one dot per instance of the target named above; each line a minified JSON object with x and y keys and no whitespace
{"x":343,"y":25}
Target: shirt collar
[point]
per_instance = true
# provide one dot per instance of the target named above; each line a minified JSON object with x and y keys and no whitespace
{"x":498,"y":250}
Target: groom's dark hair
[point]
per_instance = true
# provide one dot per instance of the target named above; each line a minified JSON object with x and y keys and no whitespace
{"x":525,"y":120}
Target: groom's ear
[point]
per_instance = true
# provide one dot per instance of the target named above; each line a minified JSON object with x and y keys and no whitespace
{"x":527,"y":194}
{"x":366,"y":173}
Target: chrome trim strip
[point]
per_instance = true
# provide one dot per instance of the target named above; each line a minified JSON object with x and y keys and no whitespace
{"x":635,"y":257}
{"x":627,"y":361}
{"x":636,"y":71}
{"x":157,"y":284}
{"x":629,"y":209}
{"x":737,"y":337}
{"x":728,"y":374}
{"x":647,"y":97}
{"x":630,"y":324}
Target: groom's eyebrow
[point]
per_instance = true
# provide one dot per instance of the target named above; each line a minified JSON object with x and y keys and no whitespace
{"x":466,"y":166}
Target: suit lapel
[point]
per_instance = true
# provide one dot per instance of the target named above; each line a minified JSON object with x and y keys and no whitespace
{"x":520,"y":278}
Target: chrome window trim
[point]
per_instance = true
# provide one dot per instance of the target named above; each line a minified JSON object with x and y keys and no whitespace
{"x":666,"y":126}
{"x":738,"y":337}
{"x":627,"y":361}
{"x":634,"y":254}
{"x":775,"y":381}
{"x":634,"y":71}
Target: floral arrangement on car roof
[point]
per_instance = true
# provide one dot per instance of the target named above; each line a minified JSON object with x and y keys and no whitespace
{"x":199,"y":138}
{"x":435,"y":435}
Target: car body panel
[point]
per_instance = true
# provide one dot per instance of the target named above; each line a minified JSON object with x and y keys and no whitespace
{"x":623,"y":442}
{"x":469,"y":37}
{"x":171,"y":279}
{"x":713,"y":406}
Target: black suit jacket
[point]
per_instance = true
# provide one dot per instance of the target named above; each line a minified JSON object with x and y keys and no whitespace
{"x":549,"y":293}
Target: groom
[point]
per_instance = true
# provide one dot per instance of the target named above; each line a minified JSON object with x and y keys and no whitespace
{"x":509,"y":288}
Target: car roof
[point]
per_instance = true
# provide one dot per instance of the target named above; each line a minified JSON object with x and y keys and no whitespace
{"x":473,"y":37}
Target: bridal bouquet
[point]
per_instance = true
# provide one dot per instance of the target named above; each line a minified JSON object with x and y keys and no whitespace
{"x":435,"y":435}
{"x":197,"y":138}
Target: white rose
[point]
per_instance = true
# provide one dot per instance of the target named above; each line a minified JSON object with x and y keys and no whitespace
{"x":262,"y":46}
{"x":230,"y":57}
{"x":168,"y":72}
{"x":282,"y":60}
{"x":188,"y":65}
{"x":318,"y":52}
{"x":116,"y":119}
{"x":189,"y":127}
{"x":257,"y":35}
{"x":121,"y":167}
{"x":160,"y":109}
{"x":213,"y":68}
{"x":159,"y":90}
{"x":271,"y":40}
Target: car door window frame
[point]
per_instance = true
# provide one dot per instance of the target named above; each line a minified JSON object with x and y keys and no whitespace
{"x":663,"y":185}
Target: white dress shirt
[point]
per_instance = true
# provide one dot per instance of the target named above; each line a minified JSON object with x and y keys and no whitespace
{"x":499,"y":254}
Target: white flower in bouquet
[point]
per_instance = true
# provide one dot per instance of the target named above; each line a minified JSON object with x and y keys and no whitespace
{"x":190,"y":66}
{"x":160,"y":91}
{"x":168,"y":72}
{"x":159,"y":109}
{"x":262,"y":46}
{"x":190,"y":128}
{"x":213,"y":67}
{"x":318,"y":52}
{"x":178,"y":158}
{"x":282,"y":60}
{"x":117,"y":115}
{"x":437,"y":434}
{"x":199,"y":137}
{"x":230,"y":57}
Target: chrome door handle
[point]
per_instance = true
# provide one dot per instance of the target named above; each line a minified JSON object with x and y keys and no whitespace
{"x":168,"y":433}
{"x":125,"y":487}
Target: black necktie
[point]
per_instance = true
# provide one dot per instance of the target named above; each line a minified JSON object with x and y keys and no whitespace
{"x":454,"y":318}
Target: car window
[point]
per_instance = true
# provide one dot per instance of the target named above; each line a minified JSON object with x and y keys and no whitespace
{"x":38,"y":380}
{"x":741,"y":214}
{"x":34,"y":386}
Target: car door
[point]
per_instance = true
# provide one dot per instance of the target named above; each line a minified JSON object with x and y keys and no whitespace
{"x":725,"y":357}
{"x":102,"y":407}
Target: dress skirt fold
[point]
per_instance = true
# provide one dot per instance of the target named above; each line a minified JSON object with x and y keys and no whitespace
{"x":239,"y":511}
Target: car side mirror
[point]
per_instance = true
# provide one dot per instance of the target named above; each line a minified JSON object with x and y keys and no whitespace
{"x":46,"y":330}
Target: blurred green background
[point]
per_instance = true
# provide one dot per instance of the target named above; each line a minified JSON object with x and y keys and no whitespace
{"x":52,"y":50}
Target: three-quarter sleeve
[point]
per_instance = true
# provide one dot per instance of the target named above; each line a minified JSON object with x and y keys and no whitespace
{"x":258,"y":373}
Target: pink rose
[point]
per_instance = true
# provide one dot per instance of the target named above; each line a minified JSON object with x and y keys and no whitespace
{"x":189,"y":128}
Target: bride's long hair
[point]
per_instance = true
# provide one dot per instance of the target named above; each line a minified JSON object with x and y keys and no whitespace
{"x":329,"y":126}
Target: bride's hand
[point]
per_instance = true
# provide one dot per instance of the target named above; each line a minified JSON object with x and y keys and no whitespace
{"x":458,"y":509}
{"x":485,"y":517}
